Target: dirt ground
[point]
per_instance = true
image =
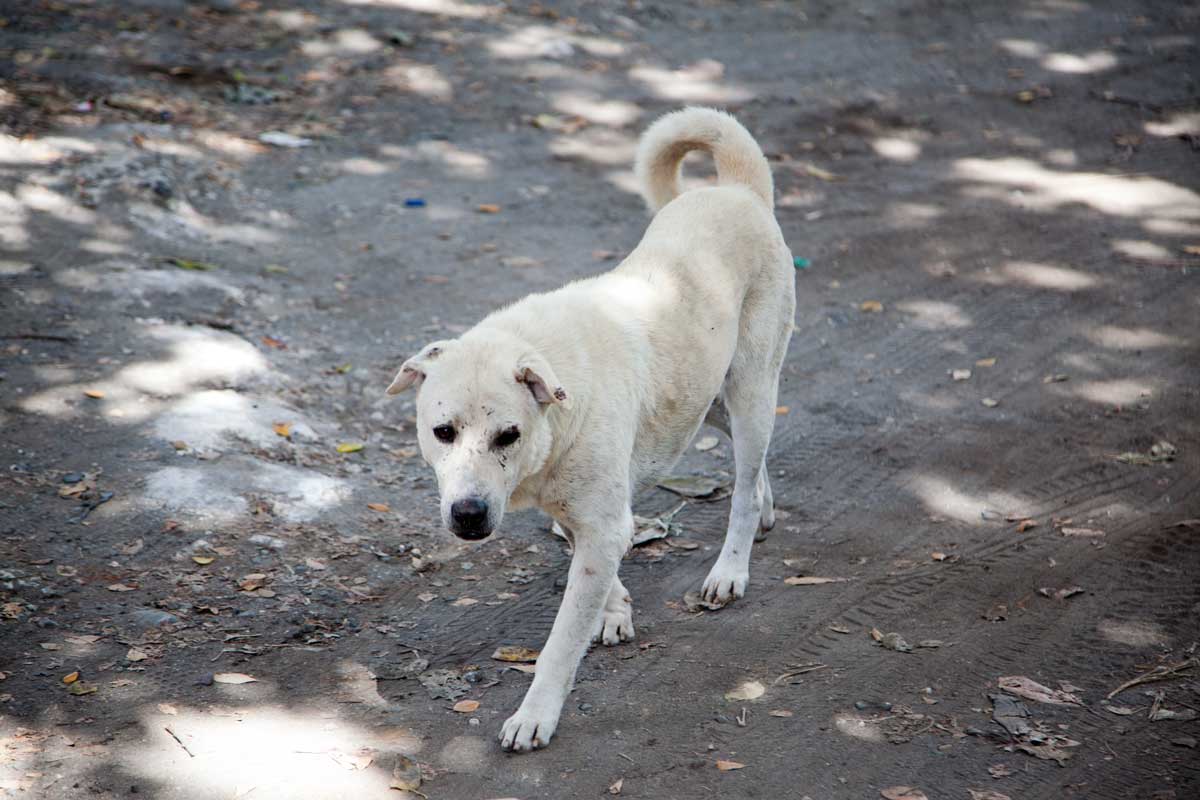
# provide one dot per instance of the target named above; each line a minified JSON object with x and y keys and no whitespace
{"x":990,"y":433}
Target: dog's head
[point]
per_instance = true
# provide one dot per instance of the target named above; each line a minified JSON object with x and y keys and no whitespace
{"x":482,"y":403}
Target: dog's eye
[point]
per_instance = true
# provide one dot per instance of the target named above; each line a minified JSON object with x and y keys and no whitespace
{"x":444,"y":433}
{"x":506,"y":437}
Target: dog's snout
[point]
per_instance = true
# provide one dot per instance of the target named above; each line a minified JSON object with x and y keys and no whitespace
{"x":469,"y":518}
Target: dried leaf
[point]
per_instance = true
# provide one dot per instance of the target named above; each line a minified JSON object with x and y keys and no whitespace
{"x":406,"y":775}
{"x":960,"y":374}
{"x":528,"y":669}
{"x":876,"y":634}
{"x":382,"y":508}
{"x":120,"y":587}
{"x":85,"y":638}
{"x":233,"y":678}
{"x":937,"y":555}
{"x":782,"y":411}
{"x":354,"y":761}
{"x":902,"y":793}
{"x":425,"y":597}
{"x":1086,"y":533}
{"x":203,"y":561}
{"x":1032,"y":690}
{"x":70,"y":677}
{"x":986,"y":362}
{"x":1120,"y":711}
{"x":50,"y":646}
{"x":987,"y":794}
{"x":349,"y":447}
{"x":250,"y":582}
{"x":999,"y":771}
{"x":748,"y":690}
{"x":818,"y":173}
{"x":466,"y":706}
{"x":80,"y":688}
{"x":811,"y":580}
{"x":871,"y":306}
{"x":488,"y":208}
{"x":707,"y":443}
{"x":512,"y":652}
{"x":462,"y":602}
{"x":839,"y":628}
{"x":1025,"y":525}
{"x":95,"y":394}
{"x":272,"y":342}
{"x":135,"y":655}
{"x":726,"y":766}
{"x":282,"y":428}
{"x":616,"y":787}
{"x":989,"y":402}
{"x":1046,"y":752}
{"x":780,"y":712}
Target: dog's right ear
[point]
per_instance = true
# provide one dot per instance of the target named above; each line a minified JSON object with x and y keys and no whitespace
{"x":413,"y":371}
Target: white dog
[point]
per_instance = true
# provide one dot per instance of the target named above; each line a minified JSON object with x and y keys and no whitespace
{"x":569,"y":401}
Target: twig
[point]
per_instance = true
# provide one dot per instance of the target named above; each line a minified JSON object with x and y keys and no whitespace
{"x":1159,"y":673}
{"x":627,"y":758}
{"x":741,"y":718}
{"x":41,"y":337}
{"x":180,"y":741}
{"x":795,"y":672}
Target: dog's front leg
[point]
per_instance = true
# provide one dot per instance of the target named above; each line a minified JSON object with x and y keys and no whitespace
{"x":599,"y":547}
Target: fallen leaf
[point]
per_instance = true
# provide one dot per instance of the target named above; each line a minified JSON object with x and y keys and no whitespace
{"x":70,"y":677}
{"x":406,"y":775}
{"x":871,"y":306}
{"x":876,"y":634}
{"x":135,"y":655}
{"x":749,"y":690}
{"x":839,"y":628}
{"x":989,"y":402}
{"x":233,"y":678}
{"x":203,"y":561}
{"x":937,"y":555}
{"x":349,"y":447}
{"x":528,"y":669}
{"x":1046,"y":752}
{"x":902,"y":793}
{"x":282,"y":428}
{"x":986,"y":362}
{"x":80,"y":688}
{"x":1086,"y":533}
{"x":1032,"y":690}
{"x":987,"y":794}
{"x":271,"y":341}
{"x":250,"y":582}
{"x":313,"y":563}
{"x":782,"y":411}
{"x":425,"y":597}
{"x":488,"y":208}
{"x":707,"y":443}
{"x":1025,"y":525}
{"x":811,"y":580}
{"x":466,"y":706}
{"x":960,"y":374}
{"x":1191,"y":249}
{"x":192,"y":266}
{"x":1056,"y":378}
{"x":95,"y":394}
{"x":616,"y":787}
{"x":1120,"y":711}
{"x":999,"y":771}
{"x":464,"y":601}
{"x":512,"y":652}
{"x":818,"y":173}
{"x":354,"y":761}
{"x":780,"y":712}
{"x":86,"y":638}
{"x":120,"y":587}
{"x":726,"y":766}
{"x":382,"y":508}
{"x":168,"y":709}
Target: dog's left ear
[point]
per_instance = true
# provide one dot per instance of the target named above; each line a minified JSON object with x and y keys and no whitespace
{"x":535,"y":372}
{"x":413,"y":371}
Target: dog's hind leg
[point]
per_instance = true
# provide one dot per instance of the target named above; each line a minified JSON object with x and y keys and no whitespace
{"x":749,"y":394}
{"x":718,"y":417}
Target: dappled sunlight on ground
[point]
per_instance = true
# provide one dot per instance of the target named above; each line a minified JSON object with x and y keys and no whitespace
{"x":701,"y":82}
{"x":1116,"y":337}
{"x":449,"y":8}
{"x":196,"y":357}
{"x":1046,"y":190}
{"x":1040,"y":276}
{"x":265,"y":751}
{"x":1115,"y":392}
{"x":934,"y":315}
{"x":943,"y":498}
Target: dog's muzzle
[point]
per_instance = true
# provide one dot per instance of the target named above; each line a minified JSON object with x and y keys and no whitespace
{"x":469,"y":519}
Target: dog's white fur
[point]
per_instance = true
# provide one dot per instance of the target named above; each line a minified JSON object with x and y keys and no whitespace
{"x":608,"y":379}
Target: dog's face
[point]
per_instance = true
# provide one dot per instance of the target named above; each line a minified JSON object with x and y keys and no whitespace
{"x":481,"y":423}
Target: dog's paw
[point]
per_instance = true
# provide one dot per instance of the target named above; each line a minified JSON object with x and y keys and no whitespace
{"x":616,"y":625}
{"x":724,"y":584}
{"x":528,"y":729}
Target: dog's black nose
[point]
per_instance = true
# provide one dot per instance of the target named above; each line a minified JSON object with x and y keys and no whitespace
{"x":469,"y":518}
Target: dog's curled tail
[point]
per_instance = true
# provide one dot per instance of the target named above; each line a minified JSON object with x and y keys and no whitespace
{"x":738,"y":157}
